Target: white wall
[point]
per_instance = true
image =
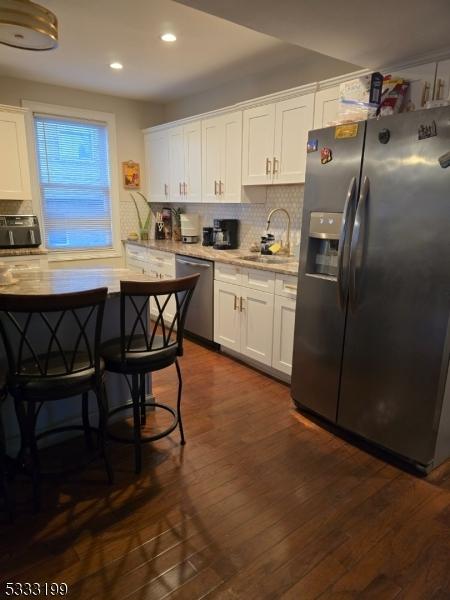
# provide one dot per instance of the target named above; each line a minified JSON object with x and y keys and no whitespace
{"x":131,"y":117}
{"x":247,"y":87}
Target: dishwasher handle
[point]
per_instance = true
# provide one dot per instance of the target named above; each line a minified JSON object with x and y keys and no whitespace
{"x":193,"y":264}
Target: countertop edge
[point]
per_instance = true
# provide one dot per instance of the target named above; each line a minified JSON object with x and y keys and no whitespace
{"x":225,"y":256}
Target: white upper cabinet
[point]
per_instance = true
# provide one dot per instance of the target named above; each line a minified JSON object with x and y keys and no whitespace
{"x":185,"y":166}
{"x":231,"y":158}
{"x":157,"y":159}
{"x":442,"y":87}
{"x":326,"y":104}
{"x":274,"y":141}
{"x":421,"y":84}
{"x":14,"y":161}
{"x":221,"y":158}
{"x":176,"y":164}
{"x":257,"y":146}
{"x":192,"y":181}
{"x":211,"y":153}
{"x":293,"y":120}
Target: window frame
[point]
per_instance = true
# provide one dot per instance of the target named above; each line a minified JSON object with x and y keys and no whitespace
{"x":82,"y":114}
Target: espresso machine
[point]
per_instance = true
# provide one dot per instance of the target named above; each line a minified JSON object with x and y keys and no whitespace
{"x":226,"y":234}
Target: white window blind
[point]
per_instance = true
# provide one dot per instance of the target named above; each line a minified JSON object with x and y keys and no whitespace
{"x":75,"y":183}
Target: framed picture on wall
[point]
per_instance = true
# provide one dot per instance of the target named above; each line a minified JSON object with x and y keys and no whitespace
{"x":131,"y":175}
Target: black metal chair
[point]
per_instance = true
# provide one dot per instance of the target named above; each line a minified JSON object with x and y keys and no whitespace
{"x":4,"y":487}
{"x":145,"y":346}
{"x":52,"y":344}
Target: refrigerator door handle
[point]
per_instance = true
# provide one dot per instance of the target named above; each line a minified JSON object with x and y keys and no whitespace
{"x":341,"y":285}
{"x":355,"y":246}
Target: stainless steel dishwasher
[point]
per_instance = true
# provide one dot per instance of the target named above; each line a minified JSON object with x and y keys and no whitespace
{"x":200,"y":317}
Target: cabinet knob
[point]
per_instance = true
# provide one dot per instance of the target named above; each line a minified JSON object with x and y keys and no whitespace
{"x":268,"y":166}
{"x":221,"y":187}
{"x":275,"y":166}
{"x":215,"y":187}
{"x":166,"y":189}
{"x":235,"y":303}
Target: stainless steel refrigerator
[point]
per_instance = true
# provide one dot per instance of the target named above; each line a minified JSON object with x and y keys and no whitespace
{"x":372,"y":337}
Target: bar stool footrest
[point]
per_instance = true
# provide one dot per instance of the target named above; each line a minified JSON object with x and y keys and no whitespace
{"x":148,"y":438}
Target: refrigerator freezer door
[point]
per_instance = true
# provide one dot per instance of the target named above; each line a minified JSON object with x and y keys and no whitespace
{"x":332,"y":176}
{"x":394,"y":356}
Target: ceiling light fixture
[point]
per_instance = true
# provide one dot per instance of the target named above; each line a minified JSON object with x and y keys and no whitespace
{"x":116,"y":65}
{"x":27,"y":25}
{"x":169,"y":37}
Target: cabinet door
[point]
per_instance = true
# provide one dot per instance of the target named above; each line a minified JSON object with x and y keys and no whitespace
{"x":212,"y":142}
{"x":442,"y":87}
{"x":283,"y":334}
{"x":14,"y":169}
{"x":294,"y":118}
{"x":421,"y":84}
{"x":257,"y":147}
{"x":193,"y":162}
{"x":256,"y":309}
{"x":176,"y":164}
{"x":326,"y":104}
{"x":157,"y":165}
{"x":227,"y":317}
{"x":231,"y":158}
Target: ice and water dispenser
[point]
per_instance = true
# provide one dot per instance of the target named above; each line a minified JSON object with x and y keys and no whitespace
{"x":324,"y":232}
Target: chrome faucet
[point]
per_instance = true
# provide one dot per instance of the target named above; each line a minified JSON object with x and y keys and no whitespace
{"x":287,"y":248}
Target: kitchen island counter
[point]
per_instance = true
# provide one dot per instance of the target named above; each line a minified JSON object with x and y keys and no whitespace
{"x":60,"y":281}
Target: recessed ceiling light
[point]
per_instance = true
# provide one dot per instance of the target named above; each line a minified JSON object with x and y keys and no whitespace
{"x":169,"y":37}
{"x":116,"y":65}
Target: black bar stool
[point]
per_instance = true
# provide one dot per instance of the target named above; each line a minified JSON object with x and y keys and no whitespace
{"x":145,"y":346}
{"x":52,"y":344}
{"x":4,"y":487}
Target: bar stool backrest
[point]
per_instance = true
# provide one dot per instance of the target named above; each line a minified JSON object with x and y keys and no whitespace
{"x":52,"y":335}
{"x":140,"y":334}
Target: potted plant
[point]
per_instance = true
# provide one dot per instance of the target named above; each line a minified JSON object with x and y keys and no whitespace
{"x":143,"y":226}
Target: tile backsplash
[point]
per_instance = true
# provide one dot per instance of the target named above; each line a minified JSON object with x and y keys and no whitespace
{"x":253,"y":217}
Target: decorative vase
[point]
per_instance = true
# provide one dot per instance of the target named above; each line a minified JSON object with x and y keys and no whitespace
{"x":144,"y":235}
{"x":176,"y":232}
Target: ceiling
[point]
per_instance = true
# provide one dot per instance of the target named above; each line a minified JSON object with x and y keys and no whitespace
{"x":93,"y":33}
{"x":362,"y":32}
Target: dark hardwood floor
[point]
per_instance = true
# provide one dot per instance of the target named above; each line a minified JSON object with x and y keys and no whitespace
{"x":261,"y":503}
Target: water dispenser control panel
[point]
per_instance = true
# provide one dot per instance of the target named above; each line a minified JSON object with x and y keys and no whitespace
{"x":324,"y":232}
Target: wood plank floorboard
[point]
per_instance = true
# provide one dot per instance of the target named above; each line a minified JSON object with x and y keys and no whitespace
{"x":261,"y":503}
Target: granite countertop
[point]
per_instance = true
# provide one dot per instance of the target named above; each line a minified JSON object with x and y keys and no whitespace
{"x":61,"y":281}
{"x":21,"y":251}
{"x":232,"y":257}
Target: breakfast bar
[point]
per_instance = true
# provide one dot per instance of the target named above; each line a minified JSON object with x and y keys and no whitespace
{"x":61,"y":281}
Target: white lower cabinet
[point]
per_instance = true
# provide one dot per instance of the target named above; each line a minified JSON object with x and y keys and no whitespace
{"x":256,"y":310}
{"x":283,"y":334}
{"x":157,"y":264}
{"x":255,"y":316}
{"x":227,"y":317}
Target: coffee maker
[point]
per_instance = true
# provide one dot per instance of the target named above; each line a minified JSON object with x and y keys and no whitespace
{"x":226,"y":234}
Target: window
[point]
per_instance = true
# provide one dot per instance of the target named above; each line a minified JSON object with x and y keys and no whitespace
{"x":75,"y":183}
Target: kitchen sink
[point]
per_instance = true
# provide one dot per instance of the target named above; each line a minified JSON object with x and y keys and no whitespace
{"x":269,"y":259}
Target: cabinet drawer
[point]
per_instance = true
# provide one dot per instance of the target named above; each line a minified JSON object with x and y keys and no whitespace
{"x":163,"y":262}
{"x":227,"y":273}
{"x":257,"y":279}
{"x":286,"y":285}
{"x":136,"y":252}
